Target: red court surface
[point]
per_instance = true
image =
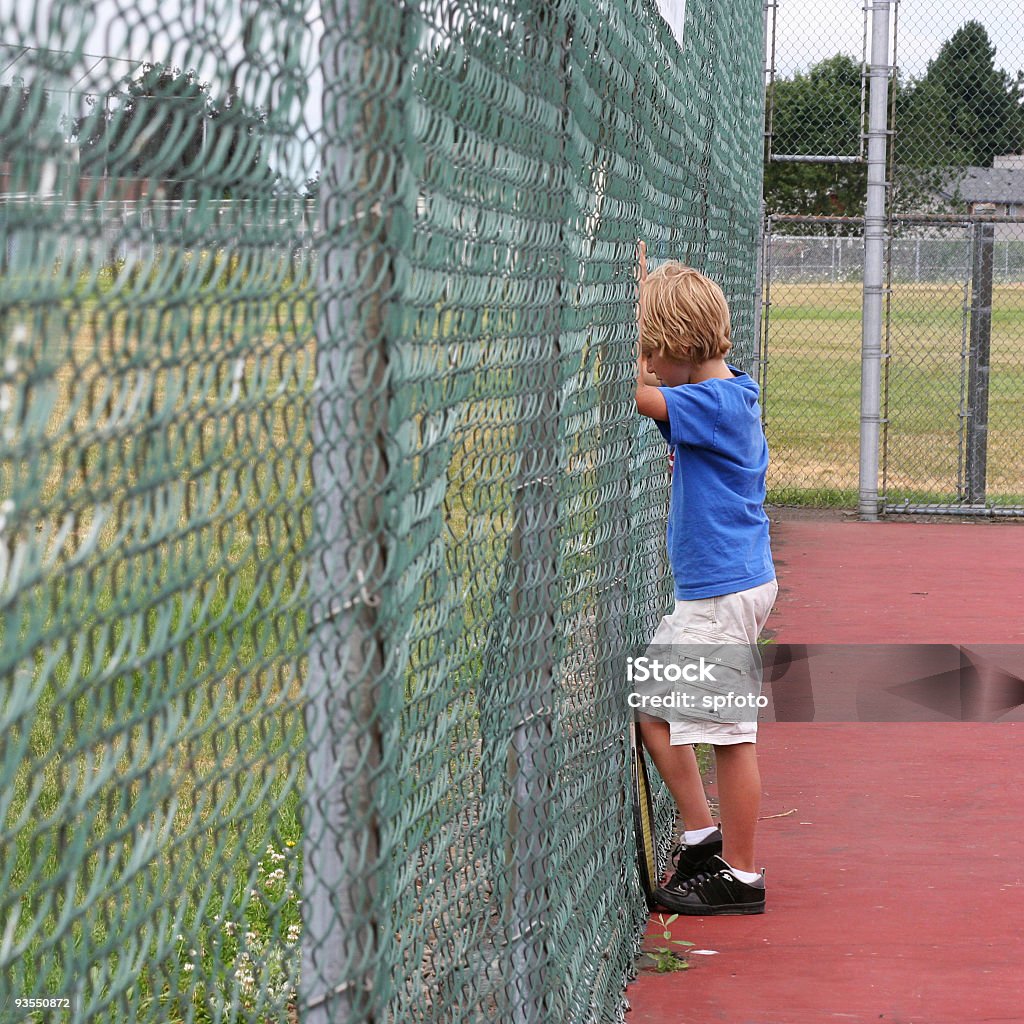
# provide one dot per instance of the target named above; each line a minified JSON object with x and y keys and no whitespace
{"x":894,"y":852}
{"x":847,"y":582}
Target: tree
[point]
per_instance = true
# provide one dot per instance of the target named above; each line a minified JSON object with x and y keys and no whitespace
{"x":164,"y":125}
{"x":27,"y":117}
{"x":29,"y":122}
{"x":817,"y":113}
{"x":963,"y":112}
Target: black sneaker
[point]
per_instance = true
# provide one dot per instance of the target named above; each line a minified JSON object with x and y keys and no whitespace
{"x":689,"y":861}
{"x":715,"y":890}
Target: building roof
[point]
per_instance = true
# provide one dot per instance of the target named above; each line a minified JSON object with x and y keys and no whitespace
{"x":987,"y":185}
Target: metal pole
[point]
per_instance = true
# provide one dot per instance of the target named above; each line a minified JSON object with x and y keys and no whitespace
{"x":769,"y":6}
{"x":531,"y":767}
{"x":770,"y":9}
{"x":874,"y":261}
{"x":759,"y":295}
{"x":532,"y":753}
{"x":350,"y":687}
{"x":765,"y":334}
{"x":978,"y":361}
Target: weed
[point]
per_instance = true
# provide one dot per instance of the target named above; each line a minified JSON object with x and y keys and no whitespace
{"x":665,"y":958}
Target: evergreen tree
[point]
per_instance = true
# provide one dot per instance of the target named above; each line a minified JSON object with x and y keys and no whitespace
{"x":964,"y":111}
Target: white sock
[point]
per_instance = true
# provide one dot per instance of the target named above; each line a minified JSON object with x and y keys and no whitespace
{"x":689,"y":838}
{"x":750,"y":877}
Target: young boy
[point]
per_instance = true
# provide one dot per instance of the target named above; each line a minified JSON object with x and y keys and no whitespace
{"x":722,"y":566}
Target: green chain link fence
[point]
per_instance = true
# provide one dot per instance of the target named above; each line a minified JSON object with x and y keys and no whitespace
{"x":325,"y":515}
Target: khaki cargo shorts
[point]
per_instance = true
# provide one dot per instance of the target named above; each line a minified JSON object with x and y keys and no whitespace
{"x":729,"y":618}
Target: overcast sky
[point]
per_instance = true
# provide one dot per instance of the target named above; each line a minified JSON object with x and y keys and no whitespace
{"x":204,"y":35}
{"x":811,"y":30}
{"x":808,"y":30}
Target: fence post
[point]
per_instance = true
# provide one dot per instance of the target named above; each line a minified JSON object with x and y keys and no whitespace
{"x":534,"y":545}
{"x":759,"y":291}
{"x":348,"y":683}
{"x":534,"y":553}
{"x":874,"y":262}
{"x":765,"y":325}
{"x":978,"y":361}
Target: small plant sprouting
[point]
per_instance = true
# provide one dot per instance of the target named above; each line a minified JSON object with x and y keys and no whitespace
{"x":665,"y":958}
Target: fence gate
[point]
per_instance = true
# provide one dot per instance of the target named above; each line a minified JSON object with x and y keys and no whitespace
{"x":810,"y":359}
{"x":952,"y":380}
{"x":952,"y":440}
{"x":894,"y":174}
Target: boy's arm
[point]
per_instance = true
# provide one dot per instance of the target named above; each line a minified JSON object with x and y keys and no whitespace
{"x":649,"y":400}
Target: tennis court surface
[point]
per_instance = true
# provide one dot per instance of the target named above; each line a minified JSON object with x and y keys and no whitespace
{"x":894,"y":852}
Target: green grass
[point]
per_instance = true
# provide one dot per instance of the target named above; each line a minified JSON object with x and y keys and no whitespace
{"x":154,"y":773}
{"x":812,"y":394}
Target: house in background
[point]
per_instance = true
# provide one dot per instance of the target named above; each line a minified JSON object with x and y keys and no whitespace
{"x":997,"y":190}
{"x":66,"y":185}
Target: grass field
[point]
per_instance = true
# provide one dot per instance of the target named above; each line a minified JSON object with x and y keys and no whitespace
{"x":152,"y":636}
{"x":812,"y":394}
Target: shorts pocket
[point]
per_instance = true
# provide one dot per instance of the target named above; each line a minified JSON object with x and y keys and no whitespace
{"x":766,"y":603}
{"x":701,"y":612}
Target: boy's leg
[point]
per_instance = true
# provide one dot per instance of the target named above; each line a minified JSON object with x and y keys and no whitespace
{"x":739,"y":801}
{"x":717,"y":887}
{"x":677,"y":765}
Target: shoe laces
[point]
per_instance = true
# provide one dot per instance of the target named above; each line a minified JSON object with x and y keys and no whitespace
{"x":698,"y":880}
{"x":680,"y":878}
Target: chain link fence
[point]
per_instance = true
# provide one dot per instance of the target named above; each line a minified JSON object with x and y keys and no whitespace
{"x":811,"y":365}
{"x":952,"y":266}
{"x":935,"y":258}
{"x":127,"y":233}
{"x":322,"y":538}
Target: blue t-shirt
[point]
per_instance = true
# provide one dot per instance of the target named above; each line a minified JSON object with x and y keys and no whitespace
{"x":717,"y":527}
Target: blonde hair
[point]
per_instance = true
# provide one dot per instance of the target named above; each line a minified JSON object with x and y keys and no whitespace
{"x":685,"y":315}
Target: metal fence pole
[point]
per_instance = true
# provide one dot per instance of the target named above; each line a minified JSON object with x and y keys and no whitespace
{"x":874,"y":262}
{"x":759,"y":293}
{"x":978,"y":361}
{"x":347,"y":712}
{"x":764,"y":336}
{"x":530,"y":755}
{"x":769,"y":70}
{"x":532,"y":759}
